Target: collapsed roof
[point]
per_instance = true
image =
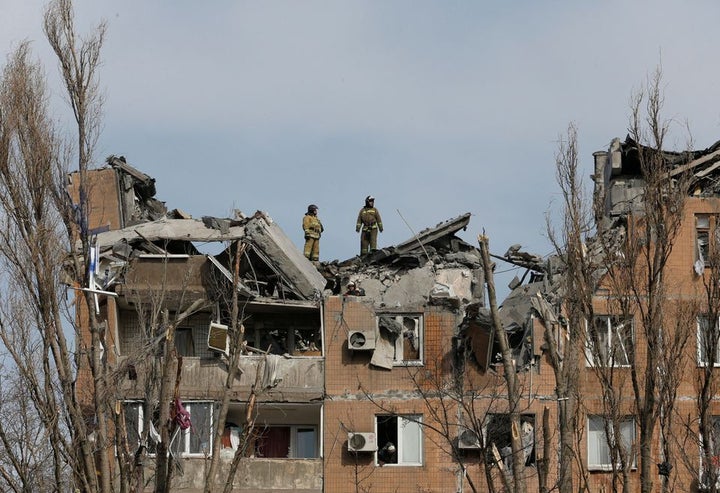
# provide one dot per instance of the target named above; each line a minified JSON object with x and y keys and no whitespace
{"x":270,"y":252}
{"x":619,"y":177}
{"x":434,"y":266}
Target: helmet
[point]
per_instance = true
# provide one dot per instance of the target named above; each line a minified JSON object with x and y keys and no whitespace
{"x":369,"y":199}
{"x":351,"y":284}
{"x":312,"y":208}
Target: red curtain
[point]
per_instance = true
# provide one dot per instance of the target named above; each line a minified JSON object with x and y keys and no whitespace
{"x":274,"y":442}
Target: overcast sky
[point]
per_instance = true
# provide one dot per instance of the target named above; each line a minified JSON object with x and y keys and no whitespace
{"x":435,"y":108}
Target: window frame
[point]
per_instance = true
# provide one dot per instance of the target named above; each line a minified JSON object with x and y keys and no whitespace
{"x":601,"y":435}
{"x":399,"y":342}
{"x":704,"y":249}
{"x":491,"y":430}
{"x":612,"y":323}
{"x":403,"y":420}
{"x":186,"y":435}
{"x":701,"y":350}
{"x":293,"y":446}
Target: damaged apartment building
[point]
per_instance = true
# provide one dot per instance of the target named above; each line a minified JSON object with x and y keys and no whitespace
{"x":679,"y":455}
{"x":309,"y":355}
{"x":398,"y":389}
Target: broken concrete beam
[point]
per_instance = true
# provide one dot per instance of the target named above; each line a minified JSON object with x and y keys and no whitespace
{"x":282,"y":253}
{"x":169,"y":229}
{"x":429,"y":235}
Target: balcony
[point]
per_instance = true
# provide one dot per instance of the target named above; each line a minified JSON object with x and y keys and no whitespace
{"x":286,"y":378}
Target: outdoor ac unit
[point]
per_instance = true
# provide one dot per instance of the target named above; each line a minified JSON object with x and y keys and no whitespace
{"x":468,"y":439}
{"x":360,"y":340}
{"x":218,"y":338}
{"x":362,"y":442}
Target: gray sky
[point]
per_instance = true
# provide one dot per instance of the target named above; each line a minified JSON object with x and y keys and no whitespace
{"x":435,"y":108}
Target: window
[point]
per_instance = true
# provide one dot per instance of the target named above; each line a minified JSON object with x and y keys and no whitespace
{"x":405,"y":334}
{"x":705,"y":240}
{"x":135,"y":426}
{"x":708,"y":342}
{"x":399,"y":440}
{"x":184,"y":344}
{"x":196,"y":440}
{"x":498,"y":432}
{"x":295,"y":442}
{"x":296,"y":337}
{"x":609,"y":341}
{"x":702,"y":237}
{"x":190,"y":339}
{"x":601,"y":451}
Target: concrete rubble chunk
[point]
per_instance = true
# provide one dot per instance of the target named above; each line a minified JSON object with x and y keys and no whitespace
{"x":280,"y":251}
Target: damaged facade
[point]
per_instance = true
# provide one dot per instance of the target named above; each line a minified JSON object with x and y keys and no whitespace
{"x":400,"y":389}
{"x":308,"y":354}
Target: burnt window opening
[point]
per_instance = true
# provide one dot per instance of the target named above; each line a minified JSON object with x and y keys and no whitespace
{"x":498,"y":432}
{"x":405,"y":337}
{"x":295,"y":335}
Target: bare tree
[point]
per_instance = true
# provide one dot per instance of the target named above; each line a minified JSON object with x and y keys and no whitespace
{"x":509,"y":372}
{"x":564,"y":339}
{"x":31,"y":250}
{"x":39,"y":224}
{"x":636,"y":253}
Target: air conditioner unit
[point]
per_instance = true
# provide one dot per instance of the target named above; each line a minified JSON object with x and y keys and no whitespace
{"x":361,"y":340}
{"x":218,"y":338}
{"x":468,"y":439}
{"x":362,"y":442}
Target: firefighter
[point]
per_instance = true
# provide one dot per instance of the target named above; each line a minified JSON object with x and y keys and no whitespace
{"x":354,"y":290}
{"x":313,"y":228}
{"x":370,"y":223}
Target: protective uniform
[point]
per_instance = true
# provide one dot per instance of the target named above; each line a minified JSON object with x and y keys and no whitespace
{"x":313,"y":228}
{"x":370,"y":222}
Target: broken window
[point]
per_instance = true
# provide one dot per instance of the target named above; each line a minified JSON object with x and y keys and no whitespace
{"x":135,"y":426}
{"x":197,"y":439}
{"x":708,"y":342}
{"x":706,"y":240}
{"x":399,"y":440}
{"x":295,"y":442}
{"x":301,"y":341}
{"x":498,"y":434}
{"x":603,"y":449}
{"x":401,"y":337}
{"x":295,"y":333}
{"x":609,"y":341}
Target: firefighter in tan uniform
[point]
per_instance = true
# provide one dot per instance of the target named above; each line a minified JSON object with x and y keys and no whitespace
{"x":370,"y":223}
{"x":313,"y":228}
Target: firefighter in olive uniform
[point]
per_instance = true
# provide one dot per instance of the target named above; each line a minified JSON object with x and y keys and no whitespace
{"x":370,"y":223}
{"x":313,"y":228}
